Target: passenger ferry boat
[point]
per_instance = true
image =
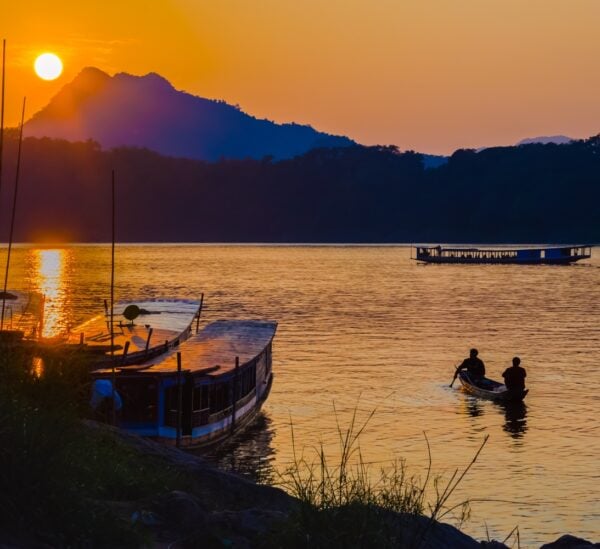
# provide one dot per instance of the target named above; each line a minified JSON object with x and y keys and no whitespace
{"x":198,"y":393}
{"x":557,"y":255}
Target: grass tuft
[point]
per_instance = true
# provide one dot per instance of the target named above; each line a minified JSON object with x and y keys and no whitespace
{"x":346,"y":504}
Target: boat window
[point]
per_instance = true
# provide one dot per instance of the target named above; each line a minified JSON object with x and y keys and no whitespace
{"x":139,"y":397}
{"x":220,"y":396}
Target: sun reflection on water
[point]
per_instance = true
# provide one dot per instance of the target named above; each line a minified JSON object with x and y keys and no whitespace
{"x":48,"y":275}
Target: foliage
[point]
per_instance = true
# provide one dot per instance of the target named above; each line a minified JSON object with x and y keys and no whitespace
{"x":530,"y":193}
{"x":343,"y":506}
{"x":59,"y":479}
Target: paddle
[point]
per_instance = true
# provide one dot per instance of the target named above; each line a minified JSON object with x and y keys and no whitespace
{"x":455,"y":375}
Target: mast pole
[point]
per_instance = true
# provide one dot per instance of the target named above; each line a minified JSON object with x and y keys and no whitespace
{"x":2,"y":107}
{"x":112,"y":298}
{"x":14,"y":208}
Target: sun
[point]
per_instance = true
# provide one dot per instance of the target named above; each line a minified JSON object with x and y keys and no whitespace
{"x":48,"y":66}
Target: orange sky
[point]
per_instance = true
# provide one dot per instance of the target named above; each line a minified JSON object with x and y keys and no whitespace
{"x":429,"y":75}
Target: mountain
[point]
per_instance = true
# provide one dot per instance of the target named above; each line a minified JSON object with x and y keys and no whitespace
{"x":545,"y":139}
{"x":148,"y":112}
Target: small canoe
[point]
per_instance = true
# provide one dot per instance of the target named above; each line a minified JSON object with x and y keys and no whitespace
{"x":490,"y":389}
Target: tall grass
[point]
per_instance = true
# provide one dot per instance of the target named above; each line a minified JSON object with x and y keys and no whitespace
{"x":58,"y":479}
{"x":345,"y":504}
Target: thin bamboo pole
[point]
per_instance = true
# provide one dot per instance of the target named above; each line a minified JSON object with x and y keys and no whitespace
{"x":14,"y":208}
{"x":179,"y":401}
{"x":112,"y":300}
{"x":2,"y":108}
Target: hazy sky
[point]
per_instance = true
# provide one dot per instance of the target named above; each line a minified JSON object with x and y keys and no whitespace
{"x":429,"y":75}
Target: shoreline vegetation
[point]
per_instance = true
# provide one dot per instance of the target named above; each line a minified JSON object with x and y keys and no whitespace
{"x":523,"y":194}
{"x":66,"y":480}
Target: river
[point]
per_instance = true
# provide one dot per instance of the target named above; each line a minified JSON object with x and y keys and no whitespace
{"x":365,"y":328}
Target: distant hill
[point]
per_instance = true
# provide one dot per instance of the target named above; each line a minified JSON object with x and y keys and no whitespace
{"x":544,"y":140}
{"x":434,"y":160}
{"x":148,"y":112}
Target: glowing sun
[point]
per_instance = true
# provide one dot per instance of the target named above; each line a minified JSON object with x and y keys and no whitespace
{"x":48,"y":66}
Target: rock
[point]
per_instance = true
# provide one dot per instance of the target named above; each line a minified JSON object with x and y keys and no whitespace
{"x":570,"y":542}
{"x":494,"y":545}
{"x":180,"y":509}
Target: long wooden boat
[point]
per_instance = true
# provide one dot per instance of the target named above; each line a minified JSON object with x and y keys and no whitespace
{"x":199,"y":394}
{"x":557,"y":255}
{"x":490,"y":389}
{"x":141,"y":330}
{"x":23,"y":316}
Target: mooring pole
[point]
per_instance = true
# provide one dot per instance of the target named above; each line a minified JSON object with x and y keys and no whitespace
{"x":125,"y":352}
{"x":179,"y":400}
{"x":112,"y":299}
{"x":148,"y":340}
{"x":235,"y":392}
{"x":14,"y":208}
{"x":199,"y":312}
{"x":2,"y":107}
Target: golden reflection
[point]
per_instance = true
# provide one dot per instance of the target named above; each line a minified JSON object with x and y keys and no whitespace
{"x":38,"y":366}
{"x":49,"y":277}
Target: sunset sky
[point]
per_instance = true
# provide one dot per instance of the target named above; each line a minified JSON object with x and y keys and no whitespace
{"x":429,"y":75}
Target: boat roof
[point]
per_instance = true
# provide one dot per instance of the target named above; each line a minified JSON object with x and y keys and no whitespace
{"x":500,"y":248}
{"x":168,"y":318}
{"x":213,"y":350}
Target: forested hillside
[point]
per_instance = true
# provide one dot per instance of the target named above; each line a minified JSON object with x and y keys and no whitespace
{"x":529,"y":193}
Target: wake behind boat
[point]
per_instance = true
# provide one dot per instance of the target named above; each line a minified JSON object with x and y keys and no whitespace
{"x":490,"y":389}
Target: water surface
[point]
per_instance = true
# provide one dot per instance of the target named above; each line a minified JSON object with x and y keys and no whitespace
{"x":367,"y":327}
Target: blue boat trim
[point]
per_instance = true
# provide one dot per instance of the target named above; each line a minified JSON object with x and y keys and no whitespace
{"x":219,"y":394}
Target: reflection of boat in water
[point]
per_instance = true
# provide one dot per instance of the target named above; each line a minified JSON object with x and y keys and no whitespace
{"x":490,"y":389}
{"x":559,"y":255}
{"x":250,"y":453}
{"x":141,"y":330}
{"x":211,"y":388}
{"x":515,"y":414}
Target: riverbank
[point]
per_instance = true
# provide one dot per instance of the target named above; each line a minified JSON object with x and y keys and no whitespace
{"x":69,"y":481}
{"x":224,"y":510}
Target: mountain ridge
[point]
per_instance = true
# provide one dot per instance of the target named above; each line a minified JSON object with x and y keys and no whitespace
{"x":147,"y":111}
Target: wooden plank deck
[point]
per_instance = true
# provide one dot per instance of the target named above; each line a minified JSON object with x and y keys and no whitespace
{"x":162,"y":322}
{"x":216,"y":345}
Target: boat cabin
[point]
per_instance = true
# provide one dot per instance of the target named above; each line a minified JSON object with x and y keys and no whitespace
{"x":210,"y":386}
{"x":548,"y":256}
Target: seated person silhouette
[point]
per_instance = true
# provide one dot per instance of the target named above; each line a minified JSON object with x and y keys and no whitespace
{"x":514,"y":377}
{"x":474,"y":366}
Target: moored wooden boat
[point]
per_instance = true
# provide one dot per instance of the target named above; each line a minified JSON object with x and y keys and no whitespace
{"x":141,"y":330}
{"x":23,"y":316}
{"x":225,"y":376}
{"x":556,"y":255}
{"x":490,"y":389}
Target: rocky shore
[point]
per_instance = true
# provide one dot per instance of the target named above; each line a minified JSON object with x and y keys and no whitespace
{"x":224,"y":510}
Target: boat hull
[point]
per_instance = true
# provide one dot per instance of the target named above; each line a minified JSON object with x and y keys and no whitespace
{"x":161,"y":327}
{"x":199,"y":394}
{"x":493,"y":390}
